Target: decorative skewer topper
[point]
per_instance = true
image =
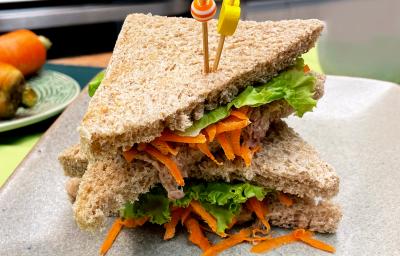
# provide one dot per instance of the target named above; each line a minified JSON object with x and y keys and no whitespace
{"x":203,"y":11}
{"x":227,"y":24}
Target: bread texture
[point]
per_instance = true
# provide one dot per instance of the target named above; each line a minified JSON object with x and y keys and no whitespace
{"x":155,"y":79}
{"x":322,"y":217}
{"x":105,"y":187}
{"x":73,"y":161}
{"x":285,"y":163}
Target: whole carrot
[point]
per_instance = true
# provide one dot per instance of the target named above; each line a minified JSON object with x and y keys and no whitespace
{"x":24,"y":50}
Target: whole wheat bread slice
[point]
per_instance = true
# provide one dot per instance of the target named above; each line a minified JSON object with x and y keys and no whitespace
{"x":155,"y":80}
{"x":73,"y":161}
{"x":285,"y":163}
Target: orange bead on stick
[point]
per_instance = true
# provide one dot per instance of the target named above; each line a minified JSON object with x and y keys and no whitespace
{"x":203,"y":11}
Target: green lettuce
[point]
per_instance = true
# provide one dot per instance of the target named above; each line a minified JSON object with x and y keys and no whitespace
{"x":292,"y":85}
{"x":153,"y":204}
{"x":95,"y":83}
{"x":221,"y":199}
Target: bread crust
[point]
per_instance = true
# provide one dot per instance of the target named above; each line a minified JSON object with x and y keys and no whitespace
{"x":154,"y":77}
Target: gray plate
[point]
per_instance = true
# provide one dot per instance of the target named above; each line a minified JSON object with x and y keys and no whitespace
{"x":356,"y":128}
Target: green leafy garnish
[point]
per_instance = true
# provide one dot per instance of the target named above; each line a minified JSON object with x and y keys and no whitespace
{"x":95,"y":83}
{"x":221,"y":199}
{"x":292,"y":85}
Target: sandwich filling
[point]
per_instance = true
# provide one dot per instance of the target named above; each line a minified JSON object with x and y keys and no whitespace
{"x":236,"y":128}
{"x":215,"y":207}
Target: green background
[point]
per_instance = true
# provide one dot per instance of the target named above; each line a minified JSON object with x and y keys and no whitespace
{"x":16,"y":144}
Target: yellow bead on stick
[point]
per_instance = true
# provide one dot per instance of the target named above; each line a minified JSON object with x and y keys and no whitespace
{"x":203,"y":11}
{"x":227,"y":24}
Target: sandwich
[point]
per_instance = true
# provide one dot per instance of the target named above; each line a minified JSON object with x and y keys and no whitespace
{"x":163,"y":143}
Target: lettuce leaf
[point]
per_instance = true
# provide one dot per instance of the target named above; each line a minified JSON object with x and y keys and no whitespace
{"x":95,"y":83}
{"x":292,"y":85}
{"x":153,"y":204}
{"x":221,"y":199}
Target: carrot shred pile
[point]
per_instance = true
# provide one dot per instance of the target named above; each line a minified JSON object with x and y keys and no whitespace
{"x":257,"y":207}
{"x":171,"y":137}
{"x":226,"y":146}
{"x":228,"y":242}
{"x":227,"y":132}
{"x":116,"y":229}
{"x":284,"y":199}
{"x":196,"y":235}
{"x":295,"y":236}
{"x":207,"y":217}
{"x":168,"y":162}
{"x":260,"y":237}
{"x":306,"y":237}
{"x":273,"y":243}
{"x":205,"y":150}
{"x":111,"y":236}
{"x":211,"y":131}
{"x":164,"y":147}
{"x":171,"y":226}
{"x":130,"y":154}
{"x":185,"y":214}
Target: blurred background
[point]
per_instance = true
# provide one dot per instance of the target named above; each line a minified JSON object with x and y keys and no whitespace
{"x":362,"y":36}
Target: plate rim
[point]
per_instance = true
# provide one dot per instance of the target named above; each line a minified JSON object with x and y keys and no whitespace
{"x":15,"y":124}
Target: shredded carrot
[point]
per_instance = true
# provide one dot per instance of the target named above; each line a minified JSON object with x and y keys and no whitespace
{"x":170,"y":226}
{"x":111,"y":236}
{"x":306,"y":237}
{"x":256,"y":206}
{"x":197,"y":236}
{"x":141,"y":146}
{"x":130,"y":154}
{"x":246,"y":154}
{"x":207,"y":217}
{"x":205,"y":150}
{"x":211,"y":131}
{"x":133,"y":223}
{"x":233,"y":222}
{"x":164,"y":147}
{"x":244,"y":109}
{"x":239,"y":114}
{"x":171,"y":137}
{"x":306,"y":68}
{"x":228,"y":243}
{"x":273,"y":243}
{"x":231,"y":123}
{"x":168,"y":162}
{"x":226,"y":146}
{"x":234,"y":137}
{"x":284,"y":199}
{"x":185,"y":214}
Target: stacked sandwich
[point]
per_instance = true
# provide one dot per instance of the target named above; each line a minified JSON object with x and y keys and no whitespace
{"x":163,"y":143}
